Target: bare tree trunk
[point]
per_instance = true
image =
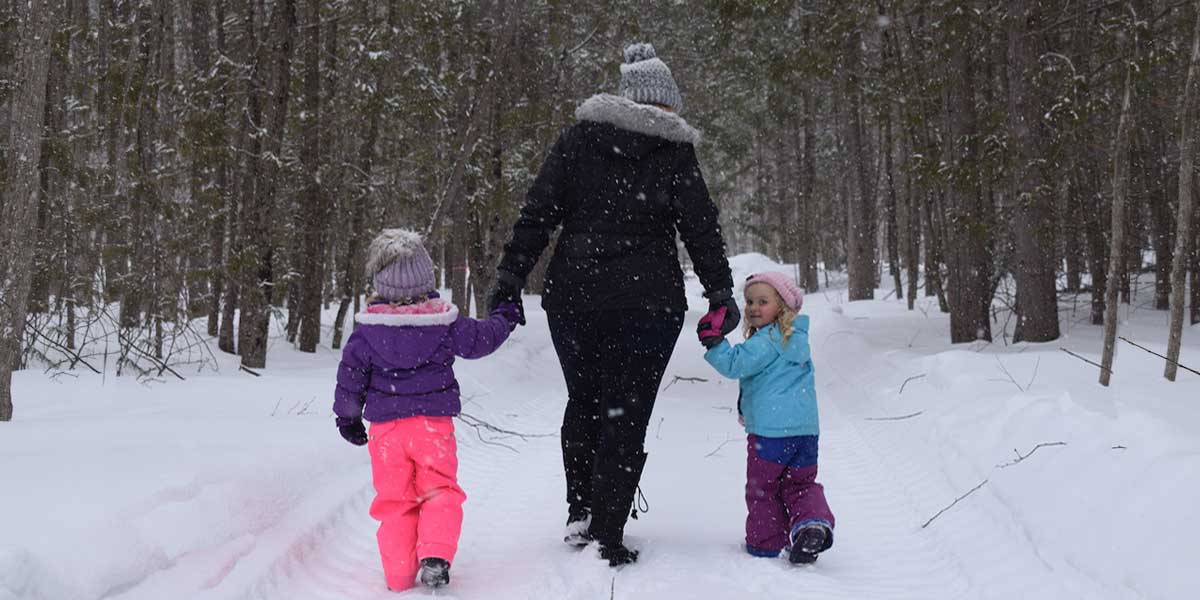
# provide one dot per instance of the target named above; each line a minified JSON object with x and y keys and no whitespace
{"x":811,"y":214}
{"x":1116,"y":258}
{"x":1160,"y":217}
{"x":860,"y":217}
{"x":1195,"y":267}
{"x":257,"y":291}
{"x":316,"y":207}
{"x":1071,"y":210}
{"x":228,"y":340}
{"x":893,"y":248}
{"x":204,"y":172}
{"x":1132,"y":257}
{"x":968,"y":288}
{"x":46,"y":238}
{"x":457,"y":240}
{"x":933,"y":250}
{"x":912,"y":244}
{"x":20,"y":191}
{"x":1183,"y":233}
{"x":1037,"y":300}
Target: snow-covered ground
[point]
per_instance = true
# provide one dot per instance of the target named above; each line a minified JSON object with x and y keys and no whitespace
{"x":232,"y":486}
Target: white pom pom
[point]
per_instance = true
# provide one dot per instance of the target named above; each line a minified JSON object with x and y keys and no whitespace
{"x":389,"y":245}
{"x":639,"y":52}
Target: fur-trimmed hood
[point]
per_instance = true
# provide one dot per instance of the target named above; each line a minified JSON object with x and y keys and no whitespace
{"x":446,"y":314}
{"x":639,"y":118}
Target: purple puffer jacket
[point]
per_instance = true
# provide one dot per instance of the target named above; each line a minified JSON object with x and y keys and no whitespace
{"x":400,"y":365}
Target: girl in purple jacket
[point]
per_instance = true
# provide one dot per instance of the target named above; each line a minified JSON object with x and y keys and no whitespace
{"x":396,"y":372}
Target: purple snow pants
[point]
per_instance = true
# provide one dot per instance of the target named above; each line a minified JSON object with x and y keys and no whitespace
{"x":782,"y":492}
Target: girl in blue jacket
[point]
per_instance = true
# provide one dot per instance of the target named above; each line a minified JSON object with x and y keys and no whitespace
{"x":778,"y":406}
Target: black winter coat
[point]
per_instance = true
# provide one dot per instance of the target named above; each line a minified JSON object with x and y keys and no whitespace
{"x":621,"y":182}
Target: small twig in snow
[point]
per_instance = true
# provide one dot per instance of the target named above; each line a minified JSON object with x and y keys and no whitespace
{"x":1010,"y":377}
{"x":304,"y":409}
{"x":243,"y":368}
{"x":908,"y":380}
{"x":276,"y":409}
{"x":1023,"y":457}
{"x":956,"y":501}
{"x":718,"y":448}
{"x":900,"y":418}
{"x":1034,"y":376}
{"x":688,"y":379}
{"x":480,"y":426}
{"x":1085,"y":360}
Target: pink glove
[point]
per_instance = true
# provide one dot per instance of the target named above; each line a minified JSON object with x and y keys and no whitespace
{"x":709,"y":329}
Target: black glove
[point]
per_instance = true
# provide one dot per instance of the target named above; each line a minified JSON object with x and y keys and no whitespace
{"x":733,"y":314}
{"x":353,"y":430}
{"x":507,"y":289}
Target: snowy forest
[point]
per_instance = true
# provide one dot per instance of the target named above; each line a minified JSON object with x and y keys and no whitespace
{"x":173,"y":165}
{"x":988,"y":204}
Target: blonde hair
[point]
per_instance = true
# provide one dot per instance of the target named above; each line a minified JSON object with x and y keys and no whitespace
{"x":786,"y":318}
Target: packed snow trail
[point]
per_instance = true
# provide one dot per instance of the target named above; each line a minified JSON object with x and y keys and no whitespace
{"x":511,"y":545}
{"x":231,"y":487}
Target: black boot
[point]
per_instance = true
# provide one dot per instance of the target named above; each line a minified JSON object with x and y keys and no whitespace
{"x":577,"y":533}
{"x":618,"y":554}
{"x":613,"y":489}
{"x":435,"y":572}
{"x":807,"y":542}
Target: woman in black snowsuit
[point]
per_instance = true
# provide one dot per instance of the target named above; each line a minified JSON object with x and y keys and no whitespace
{"x":621,"y":182}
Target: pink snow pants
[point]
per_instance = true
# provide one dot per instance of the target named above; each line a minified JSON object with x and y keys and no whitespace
{"x":418,"y":503}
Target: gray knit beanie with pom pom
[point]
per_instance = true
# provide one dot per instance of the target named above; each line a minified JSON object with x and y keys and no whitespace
{"x":399,"y":265}
{"x":647,"y":80}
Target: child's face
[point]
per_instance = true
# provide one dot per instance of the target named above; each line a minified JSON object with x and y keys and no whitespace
{"x":762,"y":305}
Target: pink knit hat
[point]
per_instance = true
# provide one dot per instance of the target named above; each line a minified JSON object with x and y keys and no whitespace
{"x":787,"y":289}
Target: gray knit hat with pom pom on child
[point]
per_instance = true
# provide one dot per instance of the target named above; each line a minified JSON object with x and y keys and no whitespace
{"x":399,"y":265}
{"x":647,"y":80}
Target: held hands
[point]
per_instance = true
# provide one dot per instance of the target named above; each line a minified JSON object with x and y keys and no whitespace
{"x":507,"y":290}
{"x":709,"y":329}
{"x":722,"y":318}
{"x":352,"y":430}
{"x":512,"y":312}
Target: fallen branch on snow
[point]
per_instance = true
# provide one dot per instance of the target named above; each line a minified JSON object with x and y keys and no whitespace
{"x":1181,"y":366}
{"x":718,"y":448}
{"x":1110,"y":371}
{"x":956,"y":501}
{"x":688,"y":379}
{"x":1021,"y":457}
{"x":481,"y":426}
{"x":900,"y":418}
{"x":908,"y":380}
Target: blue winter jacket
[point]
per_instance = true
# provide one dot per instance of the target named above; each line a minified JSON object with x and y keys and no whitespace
{"x":778,"y":393}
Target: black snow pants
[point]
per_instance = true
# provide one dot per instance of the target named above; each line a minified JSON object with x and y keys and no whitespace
{"x":613,"y":362}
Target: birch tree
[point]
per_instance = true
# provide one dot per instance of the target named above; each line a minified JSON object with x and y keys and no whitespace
{"x":1183,"y":233}
{"x":1120,"y":182}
